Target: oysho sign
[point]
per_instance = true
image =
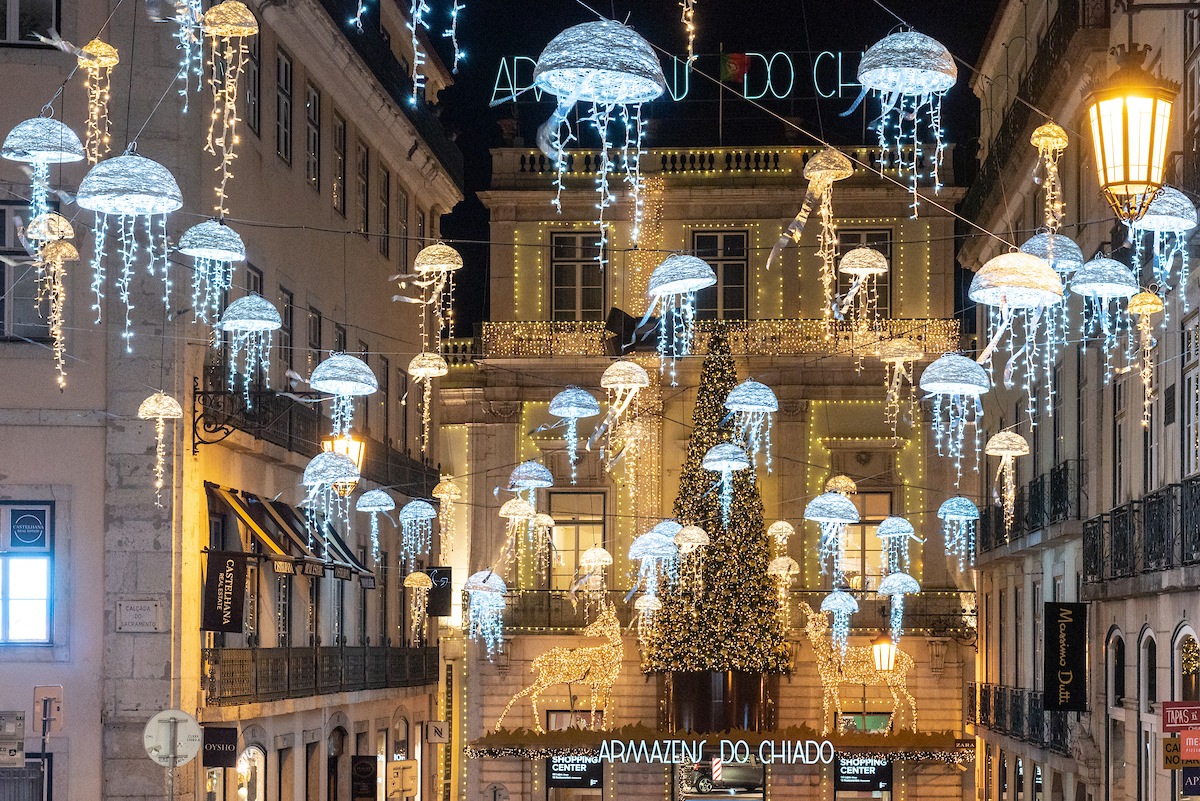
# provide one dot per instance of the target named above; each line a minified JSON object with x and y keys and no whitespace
{"x":668,"y":752}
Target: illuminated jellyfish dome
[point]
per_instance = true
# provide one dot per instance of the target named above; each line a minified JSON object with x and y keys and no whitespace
{"x":1104,"y":278}
{"x":830,"y":164}
{"x":898,"y":584}
{"x":725,"y":458}
{"x":624,"y":375}
{"x":958,"y":508}
{"x":895,"y":526}
{"x":251,"y":313}
{"x":952,"y":374}
{"x":129,"y":185}
{"x":831,"y":507}
{"x":517,"y":509}
{"x":653,"y":546}
{"x":43,"y":139}
{"x":212,"y":239}
{"x":50,"y":225}
{"x":839,"y":603}
{"x":690,"y":538}
{"x":680,"y":275}
{"x":783,"y":567}
{"x":1170,"y":211}
{"x":863,"y":262}
{"x":327,"y":468}
{"x":574,"y":403}
{"x":600,"y":62}
{"x":1018,"y":280}
{"x":530,"y":475}
{"x":1060,"y":252}
{"x":343,"y":374}
{"x":752,"y":397}
{"x":375,"y":500}
{"x":908,"y":63}
{"x":437,"y":258}
{"x":667,"y":528}
{"x":1007,"y":443}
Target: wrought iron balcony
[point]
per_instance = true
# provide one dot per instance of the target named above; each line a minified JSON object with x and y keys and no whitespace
{"x":971,"y":707}
{"x":1046,"y":500}
{"x":253,"y":675}
{"x":1159,"y":532}
{"x":1035,"y":730}
{"x":1059,"y":739}
{"x":1018,"y":713}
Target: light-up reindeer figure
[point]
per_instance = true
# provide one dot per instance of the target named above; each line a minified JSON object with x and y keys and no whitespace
{"x":595,"y":666}
{"x":856,"y":667}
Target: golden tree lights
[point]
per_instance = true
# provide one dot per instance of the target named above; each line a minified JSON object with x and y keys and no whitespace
{"x":160,"y":407}
{"x":227,"y":26}
{"x":97,"y":59}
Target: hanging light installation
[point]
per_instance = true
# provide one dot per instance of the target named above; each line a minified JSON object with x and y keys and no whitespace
{"x":345,"y":377}
{"x":572,"y":405}
{"x":895,"y":586}
{"x":841,"y":484}
{"x":751,"y":405}
{"x":861,"y":301}
{"x":895,"y":532}
{"x":841,"y":605}
{"x":832,"y":511}
{"x":214,"y":247}
{"x":48,"y":226}
{"x":959,"y":517}
{"x":692,"y":542}
{"x":485,"y":609}
{"x":51,"y":263}
{"x":782,"y":570}
{"x":726,"y":459}
{"x":672,"y":290}
{"x":423,"y":368}
{"x":955,"y":383}
{"x":910,"y":72}
{"x":418,"y":605}
{"x":1007,"y":445}
{"x":899,"y":356}
{"x":622,"y":380}
{"x":415,"y":23}
{"x":1170,"y":217}
{"x":655,"y":555}
{"x":1144,"y":304}
{"x":647,"y":608}
{"x":351,"y":446}
{"x":375,"y":502}
{"x":1050,"y":140}
{"x":688,"y":19}
{"x":1065,"y":258}
{"x":608,"y":65}
{"x":1018,"y":286}
{"x":227,"y":25}
{"x":160,"y":407}
{"x":320,"y":475}
{"x":416,"y":528}
{"x":451,"y":33}
{"x":542,"y":527}
{"x":249,"y":322}
{"x":781,"y":531}
{"x":129,"y":188}
{"x":189,"y":16}
{"x":520,"y":515}
{"x":447,"y":494}
{"x":593,"y":567}
{"x":1104,"y":284}
{"x":528,"y":477}
{"x":96,"y":59}
{"x":435,"y":267}
{"x":40,"y":142}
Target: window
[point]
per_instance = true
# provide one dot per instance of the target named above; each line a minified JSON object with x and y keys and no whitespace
{"x":577,"y":282}
{"x":26,"y":572}
{"x":314,"y":338}
{"x":1189,"y":669}
{"x":362,"y":403}
{"x":253,"y":79}
{"x":384,"y":638}
{"x":1116,"y":650}
{"x":420,"y":229}
{"x":339,"y":164}
{"x":726,"y":252}
{"x":578,"y":525}
{"x":384,"y":400}
{"x":339,"y":338}
{"x":363,"y":637}
{"x":405,"y":384}
{"x":1035,"y":635}
{"x":19,"y":19}
{"x":863,"y":559}
{"x":312,"y":136}
{"x":880,"y":240}
{"x":283,"y":106}
{"x":1057,"y":424}
{"x":252,"y":775}
{"x":385,"y":212}
{"x":287,"y":315}
{"x":1149,"y":674}
{"x":362,"y":161}
{"x":1191,"y":398}
{"x":1118,"y":442}
{"x":1018,"y":633}
{"x":1150,"y":449}
{"x":20,"y":317}
{"x":402,"y":239}
{"x":254,"y":280}
{"x":283,"y":610}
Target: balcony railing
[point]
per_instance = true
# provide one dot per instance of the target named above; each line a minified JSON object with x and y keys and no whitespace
{"x":1018,"y":713}
{"x":971,"y":707}
{"x":546,"y":339}
{"x":253,"y":675}
{"x":1046,"y":500}
{"x":1159,"y":532}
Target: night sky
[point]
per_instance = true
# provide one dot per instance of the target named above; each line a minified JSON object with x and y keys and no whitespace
{"x":492,"y":31}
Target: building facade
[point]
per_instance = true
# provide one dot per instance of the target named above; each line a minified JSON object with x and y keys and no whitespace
{"x":339,"y":179}
{"x":1104,"y":515}
{"x":558,"y":318}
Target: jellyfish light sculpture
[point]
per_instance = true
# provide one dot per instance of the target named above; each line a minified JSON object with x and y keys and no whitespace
{"x":189,"y":17}
{"x":320,"y":475}
{"x":375,"y":502}
{"x":692,"y":542}
{"x":418,"y":604}
{"x":1020,"y":287}
{"x":955,"y":384}
{"x":654,"y":554}
{"x":40,"y":142}
{"x":841,"y":484}
{"x":841,"y":605}
{"x":593,"y":566}
{"x":227,"y":25}
{"x":51,"y":264}
{"x":959,"y":518}
{"x":447,"y":494}
{"x":896,"y":533}
{"x":725,"y":459}
{"x":896,"y":586}
{"x":781,"y":531}
{"x":423,"y":368}
{"x":214,"y":247}
{"x":861,"y":301}
{"x":899,"y":356}
{"x":832,"y":511}
{"x":622,"y":380}
{"x":96,"y":59}
{"x":647,"y":608}
{"x":572,"y":405}
{"x":1106,"y":285}
{"x":672,"y":289}
{"x":1008,"y":445}
{"x":782,"y":570}
{"x":1142,"y":305}
{"x":416,"y":528}
{"x":520,"y":515}
{"x":345,"y":377}
{"x":1050,"y":140}
{"x":249,"y":322}
{"x":485,"y":610}
{"x":131,"y":189}
{"x":1170,"y":217}
{"x":1065,"y":258}
{"x":528,"y":477}
{"x":160,"y":407}
{"x":435,"y":267}
{"x":909,"y":72}
{"x":609,"y":66}
{"x":751,"y":405}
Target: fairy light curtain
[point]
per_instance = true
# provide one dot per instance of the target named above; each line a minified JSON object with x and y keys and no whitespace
{"x":227,"y":25}
{"x":910,"y":73}
{"x":1106,"y":286}
{"x":323,"y":500}
{"x":416,"y":529}
{"x":751,"y":405}
{"x":434,"y":269}
{"x":447,"y":494}
{"x":672,"y":292}
{"x":249,"y":321}
{"x":1143,"y":305}
{"x":895,"y":586}
{"x":485,"y":610}
{"x":860,"y":304}
{"x":622,"y":381}
{"x":899,"y":356}
{"x":609,"y":66}
{"x":841,"y":606}
{"x":955,"y":384}
{"x":832,"y":512}
{"x":40,"y":142}
{"x":53,"y":254}
{"x":214,"y":248}
{"x":97,"y":59}
{"x":1065,"y":258}
{"x":1050,"y":140}
{"x":189,"y":17}
{"x":418,"y":584}
{"x":129,"y":189}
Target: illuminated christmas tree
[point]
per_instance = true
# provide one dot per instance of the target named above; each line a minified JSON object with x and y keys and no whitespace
{"x":734,"y":625}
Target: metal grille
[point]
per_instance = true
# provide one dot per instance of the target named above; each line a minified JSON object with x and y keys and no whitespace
{"x":1093,"y":550}
{"x":21,"y":784}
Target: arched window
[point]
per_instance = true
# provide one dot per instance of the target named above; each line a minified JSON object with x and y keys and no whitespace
{"x":399,"y":737}
{"x":1149,"y":673}
{"x":252,"y":774}
{"x":1116,"y":681}
{"x":1189,"y":669}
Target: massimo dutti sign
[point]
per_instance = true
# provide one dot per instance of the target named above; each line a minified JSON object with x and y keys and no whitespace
{"x":224,"y":592}
{"x":1065,"y":665}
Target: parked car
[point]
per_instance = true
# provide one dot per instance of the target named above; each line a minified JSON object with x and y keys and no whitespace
{"x":734,"y":776}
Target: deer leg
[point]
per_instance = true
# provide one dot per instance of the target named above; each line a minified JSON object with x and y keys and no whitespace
{"x":512,"y":701}
{"x":533,"y":701}
{"x":891,"y":684}
{"x":825,"y":704}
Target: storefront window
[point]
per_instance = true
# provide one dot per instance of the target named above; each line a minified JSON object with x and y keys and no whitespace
{"x":1189,"y":664}
{"x":214,"y":784}
{"x":252,"y":775}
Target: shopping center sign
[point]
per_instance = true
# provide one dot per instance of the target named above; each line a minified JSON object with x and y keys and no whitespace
{"x":668,"y":752}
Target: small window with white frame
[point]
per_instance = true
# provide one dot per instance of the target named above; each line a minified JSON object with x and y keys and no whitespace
{"x":877,"y":239}
{"x":26,"y":571}
{"x":20,"y":317}
{"x":576,"y":280}
{"x":726,"y":252}
{"x":21,"y":19}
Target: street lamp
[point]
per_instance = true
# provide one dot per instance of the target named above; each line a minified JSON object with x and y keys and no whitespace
{"x":346,"y":445}
{"x":1130,"y":115}
{"x":883,"y":650}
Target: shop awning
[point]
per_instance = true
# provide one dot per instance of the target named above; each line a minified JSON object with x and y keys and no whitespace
{"x":338,"y":545}
{"x":343,"y":568}
{"x":272,"y":549}
{"x":310,"y":563}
